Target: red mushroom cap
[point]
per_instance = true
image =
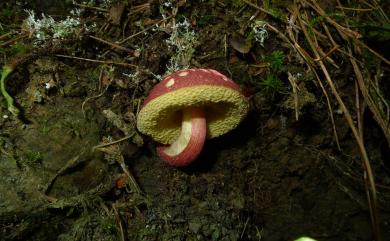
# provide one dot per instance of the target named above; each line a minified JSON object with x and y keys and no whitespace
{"x":190,"y":78}
{"x":166,"y":113}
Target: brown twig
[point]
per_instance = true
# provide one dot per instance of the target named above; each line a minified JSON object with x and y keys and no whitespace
{"x":89,"y":7}
{"x":259,"y":8}
{"x":114,"y":45}
{"x":356,"y":9}
{"x":119,"y":222}
{"x":295,"y":88}
{"x":345,"y":30}
{"x":98,"y":61}
{"x":145,"y":30}
{"x":336,"y":136}
{"x":13,"y":40}
{"x":112,"y":142}
{"x":139,"y":33}
{"x":371,"y":189}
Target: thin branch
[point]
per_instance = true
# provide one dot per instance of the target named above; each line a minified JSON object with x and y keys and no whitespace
{"x":372,"y":198}
{"x":98,"y":61}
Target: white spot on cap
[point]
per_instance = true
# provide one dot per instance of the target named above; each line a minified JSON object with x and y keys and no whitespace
{"x":170,"y":82}
{"x":205,"y":70}
{"x":184,"y":73}
{"x":225,"y":78}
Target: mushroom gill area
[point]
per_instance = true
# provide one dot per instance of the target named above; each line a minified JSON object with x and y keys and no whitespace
{"x":219,"y":120}
{"x":161,"y":118}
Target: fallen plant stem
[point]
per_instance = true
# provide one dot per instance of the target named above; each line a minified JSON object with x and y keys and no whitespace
{"x":89,"y":7}
{"x":295,"y":88}
{"x":95,"y":96}
{"x":336,"y":136}
{"x":13,"y":40}
{"x":356,"y":9}
{"x":119,"y":222}
{"x":139,"y":33}
{"x":112,"y":142}
{"x":373,"y":52}
{"x":98,"y":61}
{"x":344,"y":31}
{"x":5,"y":72}
{"x":114,"y":45}
{"x":115,"y":153}
{"x":259,"y":8}
{"x":327,"y":54}
{"x":371,"y":189}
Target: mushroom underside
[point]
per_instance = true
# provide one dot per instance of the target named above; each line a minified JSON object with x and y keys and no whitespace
{"x":224,"y":109}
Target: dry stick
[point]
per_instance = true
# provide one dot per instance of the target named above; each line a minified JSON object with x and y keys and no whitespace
{"x":329,"y":107}
{"x":309,"y":62}
{"x":382,"y":121}
{"x":359,"y":110}
{"x":112,"y":142}
{"x":384,"y":124}
{"x":118,"y":220}
{"x":291,"y":78}
{"x":95,"y":96}
{"x":372,"y":199}
{"x":295,"y":87}
{"x":13,"y":40}
{"x":114,"y":45}
{"x":345,"y":31}
{"x":138,"y":33}
{"x":335,"y":44}
{"x":318,"y":33}
{"x":145,"y":30}
{"x":367,"y":175}
{"x":380,"y":96}
{"x":98,"y":61}
{"x":259,"y":8}
{"x":373,"y":51}
{"x":90,"y":7}
{"x":122,"y":163}
{"x":5,"y":35}
{"x":327,"y":54}
{"x":356,"y":9}
{"x":294,"y":44}
{"x":320,"y":11}
{"x":324,"y":55}
{"x":377,"y":7}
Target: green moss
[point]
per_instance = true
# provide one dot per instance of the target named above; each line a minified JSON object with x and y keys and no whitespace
{"x":275,"y":59}
{"x":33,"y":158}
{"x":272,"y":83}
{"x":20,"y":48}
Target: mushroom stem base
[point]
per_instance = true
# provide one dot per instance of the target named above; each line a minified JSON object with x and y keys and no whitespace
{"x":187,"y":147}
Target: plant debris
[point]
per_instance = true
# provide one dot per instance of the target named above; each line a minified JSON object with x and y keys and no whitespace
{"x":310,"y":162}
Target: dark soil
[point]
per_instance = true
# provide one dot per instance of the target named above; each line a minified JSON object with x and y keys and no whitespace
{"x":272,"y":178}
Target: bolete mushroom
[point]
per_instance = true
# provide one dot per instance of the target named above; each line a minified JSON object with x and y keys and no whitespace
{"x":187,"y":107}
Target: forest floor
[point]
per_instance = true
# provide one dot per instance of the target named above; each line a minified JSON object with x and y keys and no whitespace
{"x":312,"y":157}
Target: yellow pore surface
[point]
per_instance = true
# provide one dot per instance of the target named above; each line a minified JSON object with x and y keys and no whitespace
{"x":224,"y":109}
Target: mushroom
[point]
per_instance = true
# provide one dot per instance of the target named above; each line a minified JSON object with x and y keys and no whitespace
{"x":187,"y":107}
